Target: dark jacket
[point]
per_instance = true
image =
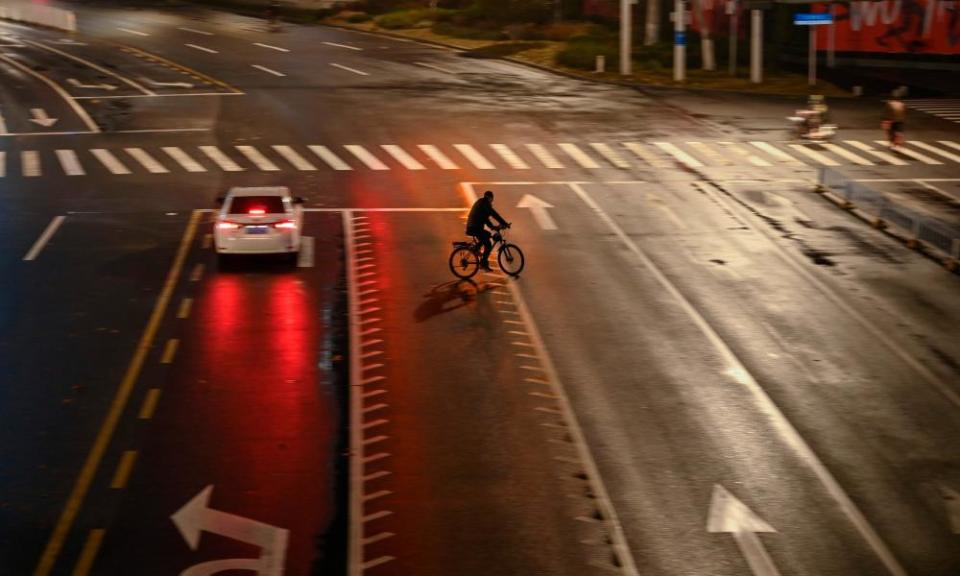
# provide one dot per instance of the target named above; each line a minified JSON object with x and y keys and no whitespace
{"x":480,"y":216}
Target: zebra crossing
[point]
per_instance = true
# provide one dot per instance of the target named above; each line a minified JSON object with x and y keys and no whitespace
{"x":496,"y":156}
{"x":946,"y":108}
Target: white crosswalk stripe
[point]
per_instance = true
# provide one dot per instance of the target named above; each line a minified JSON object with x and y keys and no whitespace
{"x":3,"y":163}
{"x":844,"y":153}
{"x":475,"y":158}
{"x":775,"y":152}
{"x":147,"y":161}
{"x":220,"y":159}
{"x":70,"y":163}
{"x":935,"y":150}
{"x":610,"y":154}
{"x":679,"y":154}
{"x":30,"y":163}
{"x":816,"y":156}
{"x":329,"y":157}
{"x":401,"y":156}
{"x":438,"y":157}
{"x":258,"y":159}
{"x":877,"y":153}
{"x":578,"y":155}
{"x":109,"y":161}
{"x":368,"y":159}
{"x":742,"y":153}
{"x":912,"y":153}
{"x":183,"y":159}
{"x":953,"y":145}
{"x":707,"y":152}
{"x":510,"y":157}
{"x":641,"y":152}
{"x":540,"y":152}
{"x":295,"y":159}
{"x":946,"y":108}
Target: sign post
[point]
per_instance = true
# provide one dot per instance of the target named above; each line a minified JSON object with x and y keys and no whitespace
{"x":756,"y":46}
{"x":812,"y":20}
{"x":734,"y":35}
{"x":679,"y":42}
{"x":626,"y":40}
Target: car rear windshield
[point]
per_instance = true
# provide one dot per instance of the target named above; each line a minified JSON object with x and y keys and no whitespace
{"x":251,"y":204}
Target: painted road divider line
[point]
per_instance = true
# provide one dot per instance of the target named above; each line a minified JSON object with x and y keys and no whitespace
{"x":270,"y":46}
{"x":334,"y":44}
{"x":3,"y":125}
{"x":401,"y":156}
{"x":3,"y":163}
{"x":94,"y":458}
{"x":268,"y":70}
{"x":195,"y":31}
{"x":329,"y":157}
{"x":197,"y":272}
{"x":578,"y":155}
{"x":544,"y":156}
{"x":258,"y":159}
{"x":202,"y":48}
{"x":30,"y":163}
{"x":89,"y":552}
{"x":220,"y":159}
{"x":184,"y":310}
{"x":291,"y":156}
{"x":183,"y":159}
{"x":371,"y":161}
{"x":87,"y":120}
{"x":188,"y":71}
{"x":437,"y":156}
{"x":169,"y":351}
{"x":147,"y":161}
{"x":305,"y":256}
{"x":45,"y":237}
{"x":134,"y":32}
{"x":95,"y":66}
{"x":475,"y":158}
{"x":349,"y":69}
{"x":149,"y":405}
{"x":70,"y":163}
{"x":124,"y":468}
{"x":109,"y":161}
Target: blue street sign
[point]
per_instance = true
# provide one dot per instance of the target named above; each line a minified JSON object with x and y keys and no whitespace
{"x":680,"y":38}
{"x":813,"y":19}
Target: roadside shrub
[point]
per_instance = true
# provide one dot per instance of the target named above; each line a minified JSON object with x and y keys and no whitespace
{"x":419,"y":18}
{"x":357,"y":17}
{"x":526,"y":31}
{"x":581,"y":52}
{"x":563,"y":31}
{"x":501,"y":50}
{"x":479,"y":32}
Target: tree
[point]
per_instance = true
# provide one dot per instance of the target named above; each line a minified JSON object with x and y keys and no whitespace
{"x":652,"y":27}
{"x":706,"y":41}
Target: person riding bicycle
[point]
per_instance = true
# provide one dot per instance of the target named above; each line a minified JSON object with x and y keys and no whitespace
{"x":477,"y":222}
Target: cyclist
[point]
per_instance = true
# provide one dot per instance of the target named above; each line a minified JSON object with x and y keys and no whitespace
{"x":477,"y":222}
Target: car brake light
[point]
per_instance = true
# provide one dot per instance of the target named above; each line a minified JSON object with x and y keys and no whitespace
{"x":227,"y":225}
{"x":257,"y":212}
{"x":286,"y":225}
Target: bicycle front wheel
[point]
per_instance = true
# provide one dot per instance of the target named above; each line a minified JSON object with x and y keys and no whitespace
{"x":510,"y":258}
{"x":464,"y":262}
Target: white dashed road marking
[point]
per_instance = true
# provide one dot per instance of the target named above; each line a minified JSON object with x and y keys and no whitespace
{"x":510,"y":157}
{"x":329,"y":157}
{"x":475,"y":158}
{"x":110,"y":161}
{"x":270,"y":46}
{"x":220,"y":159}
{"x":437,"y":156}
{"x":401,"y":156}
{"x":70,"y":163}
{"x":202,"y":48}
{"x":267,"y":70}
{"x":295,"y":159}
{"x":578,"y":155}
{"x":183,"y":159}
{"x":258,"y":159}
{"x":147,"y":161}
{"x":368,"y":159}
{"x":544,"y":156}
{"x":349,"y":69}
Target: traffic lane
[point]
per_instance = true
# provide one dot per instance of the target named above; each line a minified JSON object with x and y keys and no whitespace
{"x":468,"y":466}
{"x":248,"y":404}
{"x":669,"y":416}
{"x":886,"y":434}
{"x":75,"y":77}
{"x":70,"y":321}
{"x":22,"y":92}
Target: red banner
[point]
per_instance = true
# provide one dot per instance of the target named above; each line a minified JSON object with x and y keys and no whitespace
{"x":900,"y":26}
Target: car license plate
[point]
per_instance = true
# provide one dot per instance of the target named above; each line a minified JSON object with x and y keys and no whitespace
{"x":255,"y":229}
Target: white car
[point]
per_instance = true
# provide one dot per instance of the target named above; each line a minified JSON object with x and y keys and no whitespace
{"x":259,"y":220}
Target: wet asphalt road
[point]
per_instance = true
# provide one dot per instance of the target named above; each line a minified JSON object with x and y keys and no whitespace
{"x":704,"y":368}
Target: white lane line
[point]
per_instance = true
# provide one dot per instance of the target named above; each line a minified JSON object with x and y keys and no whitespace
{"x":134,"y":32}
{"x":202,"y":48}
{"x":70,"y":163}
{"x":641,"y":152}
{"x":268,"y":70}
{"x":709,"y":153}
{"x":611,"y":155}
{"x":509,"y":156}
{"x":3,"y":124}
{"x":816,"y":156}
{"x":270,"y":46}
{"x":146,"y":91}
{"x":679,"y":154}
{"x":578,"y":155}
{"x":109,"y":161}
{"x":48,"y":233}
{"x":30,"y":163}
{"x":195,"y":31}
{"x":258,"y":159}
{"x":739,"y":373}
{"x":3,"y":163}
{"x":291,"y":156}
{"x":220,"y":159}
{"x":305,"y":256}
{"x":775,"y":152}
{"x":912,"y":153}
{"x":435,"y":67}
{"x":475,"y":158}
{"x":401,"y":156}
{"x":844,"y":153}
{"x":439,"y":157}
{"x":877,"y":153}
{"x":742,"y":153}
{"x":91,"y":125}
{"x":183,"y":159}
{"x":329,"y":157}
{"x":935,"y":150}
{"x":349,"y":69}
{"x":147,"y":161}
{"x":334,"y":44}
{"x":368,"y":159}
{"x":950,"y":144}
{"x":544,"y":156}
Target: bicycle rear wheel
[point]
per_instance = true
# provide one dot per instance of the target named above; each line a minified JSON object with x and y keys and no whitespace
{"x":510,"y":258}
{"x":464,"y":262}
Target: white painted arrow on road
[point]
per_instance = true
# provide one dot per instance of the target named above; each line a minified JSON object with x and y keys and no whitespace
{"x":730,"y":515}
{"x":538,"y":208}
{"x":951,"y":499}
{"x":79,"y":84}
{"x":40,"y":117}
{"x":196,"y":516}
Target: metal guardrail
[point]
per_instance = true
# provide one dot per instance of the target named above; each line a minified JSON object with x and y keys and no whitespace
{"x":921,"y":231}
{"x":38,"y":14}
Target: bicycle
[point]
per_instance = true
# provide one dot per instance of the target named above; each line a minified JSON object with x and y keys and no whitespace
{"x":465,"y":258}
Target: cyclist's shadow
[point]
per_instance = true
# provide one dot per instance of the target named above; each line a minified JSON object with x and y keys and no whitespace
{"x":449,"y":296}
